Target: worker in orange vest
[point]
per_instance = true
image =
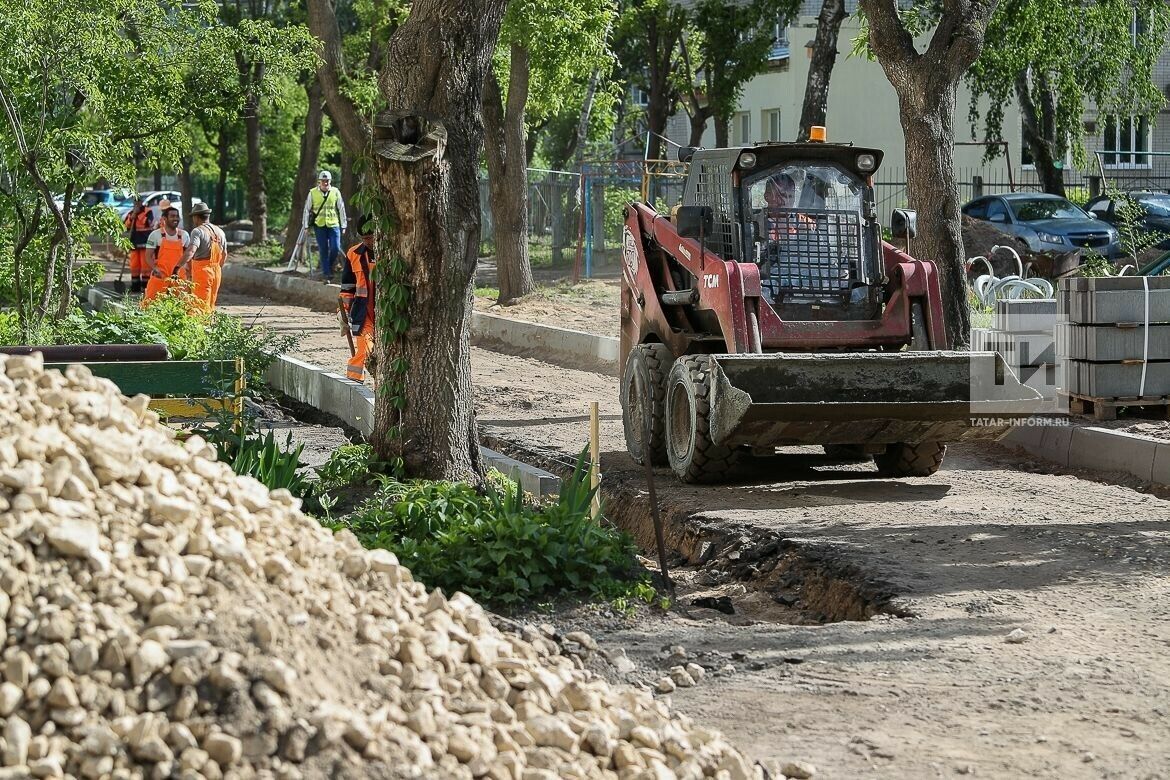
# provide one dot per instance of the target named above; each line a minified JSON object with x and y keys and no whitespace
{"x":165,"y":251}
{"x":357,"y":300}
{"x":206,"y":256}
{"x":139,"y":222}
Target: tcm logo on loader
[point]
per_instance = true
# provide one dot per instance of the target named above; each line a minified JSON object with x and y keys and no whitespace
{"x":710,"y":280}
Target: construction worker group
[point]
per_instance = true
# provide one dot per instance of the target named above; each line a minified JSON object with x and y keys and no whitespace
{"x":164,"y":255}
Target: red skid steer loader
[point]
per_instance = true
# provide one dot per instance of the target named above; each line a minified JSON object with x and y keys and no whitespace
{"x":767,"y":311}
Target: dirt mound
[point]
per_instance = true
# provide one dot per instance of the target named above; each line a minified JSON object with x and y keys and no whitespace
{"x":167,"y":618}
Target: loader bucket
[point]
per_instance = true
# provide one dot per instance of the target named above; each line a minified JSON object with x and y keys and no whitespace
{"x":865,"y":398}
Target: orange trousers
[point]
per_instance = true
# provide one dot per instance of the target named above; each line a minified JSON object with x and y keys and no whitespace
{"x":206,"y":276}
{"x":156,"y":286}
{"x":363,"y":345}
{"x":138,"y":262}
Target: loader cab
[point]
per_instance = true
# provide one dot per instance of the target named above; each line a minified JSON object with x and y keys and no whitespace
{"x":805,"y":214}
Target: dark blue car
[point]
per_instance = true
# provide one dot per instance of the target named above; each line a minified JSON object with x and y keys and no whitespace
{"x":1047,"y":223}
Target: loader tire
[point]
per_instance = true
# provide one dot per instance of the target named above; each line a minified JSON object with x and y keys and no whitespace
{"x":911,"y":460}
{"x":692,"y":454}
{"x":653,"y":361}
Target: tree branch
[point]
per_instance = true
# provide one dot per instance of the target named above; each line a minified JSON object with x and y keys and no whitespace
{"x":351,"y":126}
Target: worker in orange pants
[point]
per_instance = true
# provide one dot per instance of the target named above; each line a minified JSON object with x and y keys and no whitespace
{"x":139,"y":222}
{"x":166,"y":250}
{"x":357,"y":300}
{"x":208,"y":253}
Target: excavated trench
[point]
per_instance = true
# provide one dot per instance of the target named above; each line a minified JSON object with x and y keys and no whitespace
{"x":727,"y":569}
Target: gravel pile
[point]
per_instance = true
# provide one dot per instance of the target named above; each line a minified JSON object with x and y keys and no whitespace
{"x":167,"y":618}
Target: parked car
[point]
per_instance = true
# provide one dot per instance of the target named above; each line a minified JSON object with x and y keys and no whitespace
{"x":1047,"y":223}
{"x":1155,"y":208}
{"x":115,"y":199}
{"x":154,"y":197}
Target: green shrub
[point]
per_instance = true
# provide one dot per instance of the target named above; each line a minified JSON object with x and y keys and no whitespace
{"x":494,"y":546}
{"x":347,"y":465}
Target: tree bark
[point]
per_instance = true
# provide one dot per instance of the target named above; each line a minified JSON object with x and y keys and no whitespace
{"x":223,"y":154}
{"x":185,"y":188}
{"x":662,"y":36}
{"x":432,"y":205}
{"x":1038,"y":131}
{"x":820,"y":69}
{"x":307,"y":168}
{"x":722,"y":125}
{"x":504,"y":152}
{"x":351,"y":126}
{"x":925,"y":84}
{"x":257,"y":196}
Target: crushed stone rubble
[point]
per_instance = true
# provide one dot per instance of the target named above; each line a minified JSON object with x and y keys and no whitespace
{"x":166,"y":618}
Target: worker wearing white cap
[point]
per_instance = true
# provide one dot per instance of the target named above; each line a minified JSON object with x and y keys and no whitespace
{"x":325,"y":215}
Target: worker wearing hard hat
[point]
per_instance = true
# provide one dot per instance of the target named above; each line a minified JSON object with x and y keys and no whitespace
{"x":325,"y":215}
{"x":357,"y":300}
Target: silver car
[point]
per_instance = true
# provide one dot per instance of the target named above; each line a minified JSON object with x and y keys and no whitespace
{"x":1047,"y":223}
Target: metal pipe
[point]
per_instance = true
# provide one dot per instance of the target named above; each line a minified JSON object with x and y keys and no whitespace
{"x":680,"y":297}
{"x":92,"y":353}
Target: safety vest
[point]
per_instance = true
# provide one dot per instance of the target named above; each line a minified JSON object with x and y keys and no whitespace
{"x":139,"y":226}
{"x":324,"y":208}
{"x":170,"y":251}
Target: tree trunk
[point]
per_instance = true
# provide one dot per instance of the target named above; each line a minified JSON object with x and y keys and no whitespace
{"x":1038,"y":131}
{"x":698,"y":117}
{"x":428,"y":236}
{"x":928,"y":122}
{"x":722,"y":125}
{"x":185,"y":188}
{"x":351,"y":127}
{"x":307,"y":168}
{"x":223,"y":152}
{"x":504,"y":152}
{"x":925,"y":83}
{"x":820,"y":69}
{"x":157,"y":177}
{"x":350,"y":184}
{"x":257,"y":195}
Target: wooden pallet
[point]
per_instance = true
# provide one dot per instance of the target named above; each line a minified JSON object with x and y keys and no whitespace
{"x":1106,"y":408}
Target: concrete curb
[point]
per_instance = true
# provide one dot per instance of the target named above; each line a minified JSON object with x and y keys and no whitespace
{"x":503,"y":334}
{"x":1096,"y":449}
{"x":353,"y":404}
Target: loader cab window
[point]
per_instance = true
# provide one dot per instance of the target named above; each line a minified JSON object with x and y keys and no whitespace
{"x":808,"y":231}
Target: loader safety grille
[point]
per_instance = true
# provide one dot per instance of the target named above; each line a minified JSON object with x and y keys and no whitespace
{"x":713,"y":188}
{"x":810,"y":252}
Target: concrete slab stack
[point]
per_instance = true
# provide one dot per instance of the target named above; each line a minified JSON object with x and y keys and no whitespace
{"x":1021,"y":332}
{"x":1113,"y":335}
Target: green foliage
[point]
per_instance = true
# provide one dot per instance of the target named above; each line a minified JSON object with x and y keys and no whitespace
{"x":238,"y":443}
{"x":615,"y":205}
{"x":1095,"y":265}
{"x":1133,"y":235}
{"x":347,"y":465}
{"x":1057,"y":58}
{"x":731,"y":42}
{"x":494,"y":546}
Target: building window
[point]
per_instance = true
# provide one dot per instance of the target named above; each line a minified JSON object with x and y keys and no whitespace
{"x":1123,"y":141}
{"x":770,"y":124}
{"x":741,"y":129}
{"x":640,"y":96}
{"x":780,"y":46}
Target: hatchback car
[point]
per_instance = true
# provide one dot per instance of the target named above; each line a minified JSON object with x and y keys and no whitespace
{"x":1155,"y":210}
{"x":1047,"y":223}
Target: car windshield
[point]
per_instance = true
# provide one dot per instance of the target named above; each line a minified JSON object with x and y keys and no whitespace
{"x":1155,"y":205}
{"x":1045,"y":208}
{"x":92,"y":198}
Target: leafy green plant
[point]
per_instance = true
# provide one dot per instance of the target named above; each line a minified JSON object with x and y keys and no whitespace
{"x":347,"y":465}
{"x":275,"y":465}
{"x":1096,"y":265}
{"x":495,"y":546}
{"x":1132,"y":233}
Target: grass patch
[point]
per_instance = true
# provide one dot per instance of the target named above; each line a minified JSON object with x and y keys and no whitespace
{"x":498,"y":546}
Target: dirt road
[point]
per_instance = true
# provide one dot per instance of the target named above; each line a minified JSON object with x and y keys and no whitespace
{"x":992,"y":544}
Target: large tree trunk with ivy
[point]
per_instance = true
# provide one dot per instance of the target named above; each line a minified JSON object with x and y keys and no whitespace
{"x":505,"y":153}
{"x":925,"y":83}
{"x":1037,"y":118}
{"x":820,"y":69}
{"x":307,"y":168}
{"x":427,"y":145}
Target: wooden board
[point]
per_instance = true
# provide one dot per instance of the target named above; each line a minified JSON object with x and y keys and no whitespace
{"x":1106,"y":408}
{"x":167,"y":377}
{"x":191,"y":408}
